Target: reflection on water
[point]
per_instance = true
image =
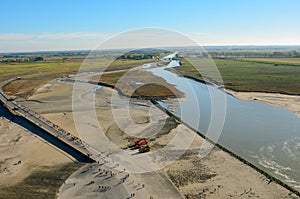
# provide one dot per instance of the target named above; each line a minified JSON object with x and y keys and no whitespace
{"x":282,"y":158}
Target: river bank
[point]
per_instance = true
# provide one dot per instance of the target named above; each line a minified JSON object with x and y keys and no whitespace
{"x":291,"y":102}
{"x":260,"y":133}
{"x":217,"y":175}
{"x":27,"y":160}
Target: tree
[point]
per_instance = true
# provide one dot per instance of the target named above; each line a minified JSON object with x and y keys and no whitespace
{"x":38,"y":59}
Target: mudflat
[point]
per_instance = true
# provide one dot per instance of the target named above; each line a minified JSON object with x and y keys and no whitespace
{"x":218,"y":175}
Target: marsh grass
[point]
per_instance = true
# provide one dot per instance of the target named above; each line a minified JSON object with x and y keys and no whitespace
{"x":248,"y":76}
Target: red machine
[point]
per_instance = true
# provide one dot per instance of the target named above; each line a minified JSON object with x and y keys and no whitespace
{"x":137,"y":144}
{"x":140,"y":143}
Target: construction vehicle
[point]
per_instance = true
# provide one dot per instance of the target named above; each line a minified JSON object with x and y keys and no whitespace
{"x":137,"y":144}
{"x":141,"y":143}
{"x":144,"y":148}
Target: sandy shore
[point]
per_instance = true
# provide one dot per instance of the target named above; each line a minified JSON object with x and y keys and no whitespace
{"x":220,"y":175}
{"x":291,"y":102}
{"x":216,"y":176}
{"x":26,"y":160}
{"x":22,"y":153}
{"x":50,"y":107}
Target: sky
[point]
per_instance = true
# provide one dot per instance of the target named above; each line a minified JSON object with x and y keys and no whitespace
{"x":33,"y":25}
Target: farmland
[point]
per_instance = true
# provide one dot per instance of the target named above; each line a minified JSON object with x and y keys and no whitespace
{"x":248,"y":75}
{"x":275,"y":61}
{"x":35,"y":74}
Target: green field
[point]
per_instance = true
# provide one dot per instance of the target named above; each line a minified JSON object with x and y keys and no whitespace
{"x":248,"y":76}
{"x":275,"y":61}
{"x":35,"y":74}
{"x":281,"y":75}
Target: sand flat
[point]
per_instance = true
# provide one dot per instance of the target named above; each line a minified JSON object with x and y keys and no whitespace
{"x":218,"y":175}
{"x":291,"y":102}
{"x":22,"y":153}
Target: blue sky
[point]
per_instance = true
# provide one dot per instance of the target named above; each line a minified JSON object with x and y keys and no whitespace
{"x":73,"y":24}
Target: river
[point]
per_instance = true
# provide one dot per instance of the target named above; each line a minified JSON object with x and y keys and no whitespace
{"x":266,"y":135}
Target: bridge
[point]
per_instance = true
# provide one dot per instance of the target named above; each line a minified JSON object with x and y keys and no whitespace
{"x":73,"y":142}
{"x":154,"y":181}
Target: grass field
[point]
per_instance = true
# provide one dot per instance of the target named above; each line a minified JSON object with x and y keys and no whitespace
{"x":35,"y":74}
{"x":275,"y":61}
{"x":121,"y":64}
{"x":248,"y":76}
{"x":280,"y":75}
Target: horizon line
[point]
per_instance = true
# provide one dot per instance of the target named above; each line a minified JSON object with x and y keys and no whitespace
{"x":204,"y":46}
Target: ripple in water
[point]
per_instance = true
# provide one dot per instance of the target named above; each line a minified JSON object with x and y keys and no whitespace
{"x":283,"y":159}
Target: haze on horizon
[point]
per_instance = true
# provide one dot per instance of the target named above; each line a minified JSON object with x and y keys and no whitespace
{"x":77,"y":25}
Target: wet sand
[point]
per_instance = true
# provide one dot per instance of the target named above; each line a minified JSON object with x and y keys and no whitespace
{"x":220,"y":175}
{"x":22,"y":152}
{"x":291,"y":102}
{"x":26,"y":159}
{"x":216,"y":176}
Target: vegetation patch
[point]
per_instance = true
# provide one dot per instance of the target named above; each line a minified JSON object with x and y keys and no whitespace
{"x":275,"y":61}
{"x":34,"y":74}
{"x":247,"y":76}
{"x":139,"y":84}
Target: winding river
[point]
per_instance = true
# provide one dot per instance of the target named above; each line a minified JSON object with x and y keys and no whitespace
{"x":266,"y":135}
